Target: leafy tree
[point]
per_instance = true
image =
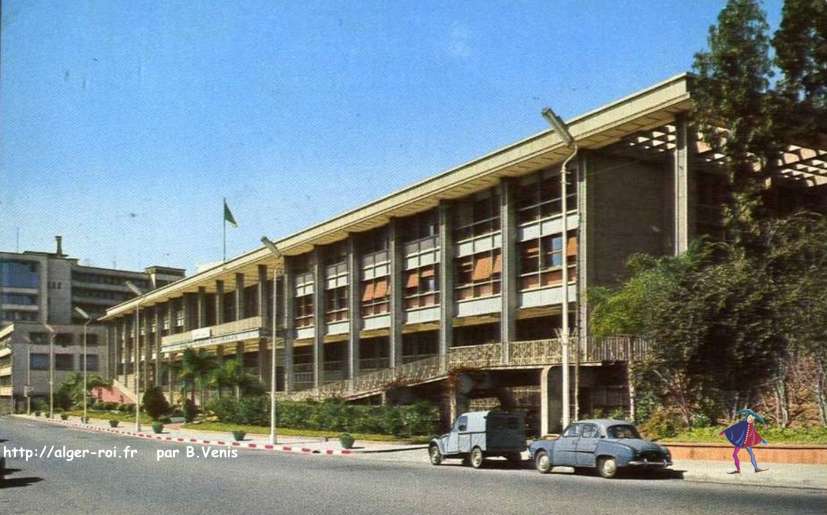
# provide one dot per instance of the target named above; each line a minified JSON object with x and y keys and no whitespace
{"x":72,"y":387}
{"x":231,"y":373}
{"x":801,"y":55}
{"x":154,"y":403}
{"x":735,"y":107}
{"x":196,"y":366}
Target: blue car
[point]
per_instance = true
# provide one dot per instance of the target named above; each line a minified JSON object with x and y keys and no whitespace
{"x":604,"y":444}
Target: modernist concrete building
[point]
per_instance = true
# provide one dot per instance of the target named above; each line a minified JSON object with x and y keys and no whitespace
{"x":38,"y":291}
{"x":451,"y":288}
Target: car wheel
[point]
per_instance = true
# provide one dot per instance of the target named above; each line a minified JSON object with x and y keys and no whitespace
{"x":542,"y":462}
{"x":435,"y":455}
{"x":477,"y":457}
{"x":607,"y":467}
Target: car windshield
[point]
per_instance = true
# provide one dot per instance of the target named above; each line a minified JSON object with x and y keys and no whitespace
{"x":624,"y":431}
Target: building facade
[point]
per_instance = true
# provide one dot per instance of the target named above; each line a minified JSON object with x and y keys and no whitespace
{"x":38,"y":295}
{"x":452,"y":289}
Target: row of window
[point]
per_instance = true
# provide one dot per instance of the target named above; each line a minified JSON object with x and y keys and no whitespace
{"x":63,"y":339}
{"x":64,"y":362}
{"x":86,"y":277}
{"x":18,"y":274}
{"x":15,"y":316}
{"x":19,"y":299}
{"x":100,"y":294}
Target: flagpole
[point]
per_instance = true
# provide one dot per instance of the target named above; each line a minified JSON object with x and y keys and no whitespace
{"x":224,"y":225}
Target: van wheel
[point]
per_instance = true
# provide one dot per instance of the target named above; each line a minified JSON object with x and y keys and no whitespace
{"x":542,"y":462}
{"x":607,"y":467}
{"x":477,"y":457}
{"x":435,"y":455}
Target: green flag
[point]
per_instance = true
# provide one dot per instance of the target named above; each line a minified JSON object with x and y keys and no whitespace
{"x":228,"y":215}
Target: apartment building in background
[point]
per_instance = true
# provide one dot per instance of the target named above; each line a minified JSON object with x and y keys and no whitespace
{"x":38,"y":291}
{"x":451,"y":289}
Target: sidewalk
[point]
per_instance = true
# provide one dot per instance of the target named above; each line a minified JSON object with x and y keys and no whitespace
{"x":174,"y":433}
{"x":776,"y":475}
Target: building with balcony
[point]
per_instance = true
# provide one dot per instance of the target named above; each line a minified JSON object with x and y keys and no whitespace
{"x":452,"y":289}
{"x":39,"y":290}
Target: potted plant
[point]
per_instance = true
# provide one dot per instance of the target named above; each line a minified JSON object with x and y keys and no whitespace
{"x":113,"y":422}
{"x":36,"y":413}
{"x":157,"y":427}
{"x":346,"y":440}
{"x":239,"y":435}
{"x":64,"y":416}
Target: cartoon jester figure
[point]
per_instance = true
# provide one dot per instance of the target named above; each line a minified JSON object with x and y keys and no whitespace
{"x":743,"y":434}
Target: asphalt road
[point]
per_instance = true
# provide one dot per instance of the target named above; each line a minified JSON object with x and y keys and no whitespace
{"x":258,"y":482}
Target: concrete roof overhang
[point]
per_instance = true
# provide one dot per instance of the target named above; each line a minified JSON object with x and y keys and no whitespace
{"x":647,"y":109}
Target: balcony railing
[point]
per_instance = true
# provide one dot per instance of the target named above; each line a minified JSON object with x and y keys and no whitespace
{"x":486,"y":356}
{"x":216,"y":333}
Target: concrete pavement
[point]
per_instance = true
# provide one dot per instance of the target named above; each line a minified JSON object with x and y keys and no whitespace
{"x":139,"y":481}
{"x":777,"y":475}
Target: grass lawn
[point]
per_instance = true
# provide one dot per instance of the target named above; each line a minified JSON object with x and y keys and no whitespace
{"x":773,"y":435}
{"x":265,"y":430}
{"x":110,"y":415}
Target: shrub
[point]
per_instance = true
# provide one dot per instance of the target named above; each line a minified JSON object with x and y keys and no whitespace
{"x":36,"y":413}
{"x":346,"y":440}
{"x":254,"y":411}
{"x":113,"y":422}
{"x":190,"y":410}
{"x":39,"y":405}
{"x":239,"y":435}
{"x":126,"y":407}
{"x":226,"y":409}
{"x":165,"y":420}
{"x":154,"y":403}
{"x":64,"y":416}
{"x":663,"y":423}
{"x":157,"y":427}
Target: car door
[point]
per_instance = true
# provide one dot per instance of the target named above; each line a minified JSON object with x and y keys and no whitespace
{"x":452,"y":444}
{"x":586,"y":445}
{"x":565,"y":449}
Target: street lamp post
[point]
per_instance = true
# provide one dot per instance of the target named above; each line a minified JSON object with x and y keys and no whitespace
{"x":51,"y":370}
{"x":88,"y":319}
{"x":277,"y":254}
{"x":28,"y":388}
{"x":562,"y":130}
{"x":137,"y":291}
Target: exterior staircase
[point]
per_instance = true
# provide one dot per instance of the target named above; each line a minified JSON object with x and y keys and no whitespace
{"x":523,"y":355}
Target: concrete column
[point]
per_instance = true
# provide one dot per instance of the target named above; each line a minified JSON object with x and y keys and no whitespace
{"x":551,"y":405}
{"x":239,"y":296}
{"x":219,"y":302}
{"x":186,"y":306}
{"x":201,"y":304}
{"x":159,"y":327}
{"x":508,"y":277}
{"x":171,"y":315}
{"x":354,"y":306}
{"x":684,"y":197}
{"x":288,"y":324}
{"x":397,"y":309}
{"x":584,"y":231}
{"x":125,"y":354}
{"x":261,"y":294}
{"x":318,"y":318}
{"x":446,"y":281}
{"x":170,"y":377}
{"x":116,"y":347}
{"x":263,"y":363}
{"x":148,"y":344}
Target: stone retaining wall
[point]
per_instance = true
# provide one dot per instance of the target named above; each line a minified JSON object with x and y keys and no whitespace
{"x":803,"y":454}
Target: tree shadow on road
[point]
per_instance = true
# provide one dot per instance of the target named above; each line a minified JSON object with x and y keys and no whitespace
{"x":17,"y":481}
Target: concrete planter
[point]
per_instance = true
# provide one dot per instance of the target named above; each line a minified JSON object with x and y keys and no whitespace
{"x":802,"y":454}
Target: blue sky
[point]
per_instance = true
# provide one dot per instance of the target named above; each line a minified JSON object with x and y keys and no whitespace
{"x":123,"y":124}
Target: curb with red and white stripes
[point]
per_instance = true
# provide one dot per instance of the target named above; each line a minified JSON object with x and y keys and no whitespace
{"x":198,"y":441}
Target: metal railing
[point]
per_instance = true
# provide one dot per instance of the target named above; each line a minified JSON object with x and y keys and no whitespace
{"x":234,"y":327}
{"x":485,"y":356}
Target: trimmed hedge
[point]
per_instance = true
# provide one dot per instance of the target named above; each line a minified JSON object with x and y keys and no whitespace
{"x":421,"y":418}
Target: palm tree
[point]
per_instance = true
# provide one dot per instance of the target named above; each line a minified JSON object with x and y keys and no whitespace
{"x":195,"y":371}
{"x":231,"y":373}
